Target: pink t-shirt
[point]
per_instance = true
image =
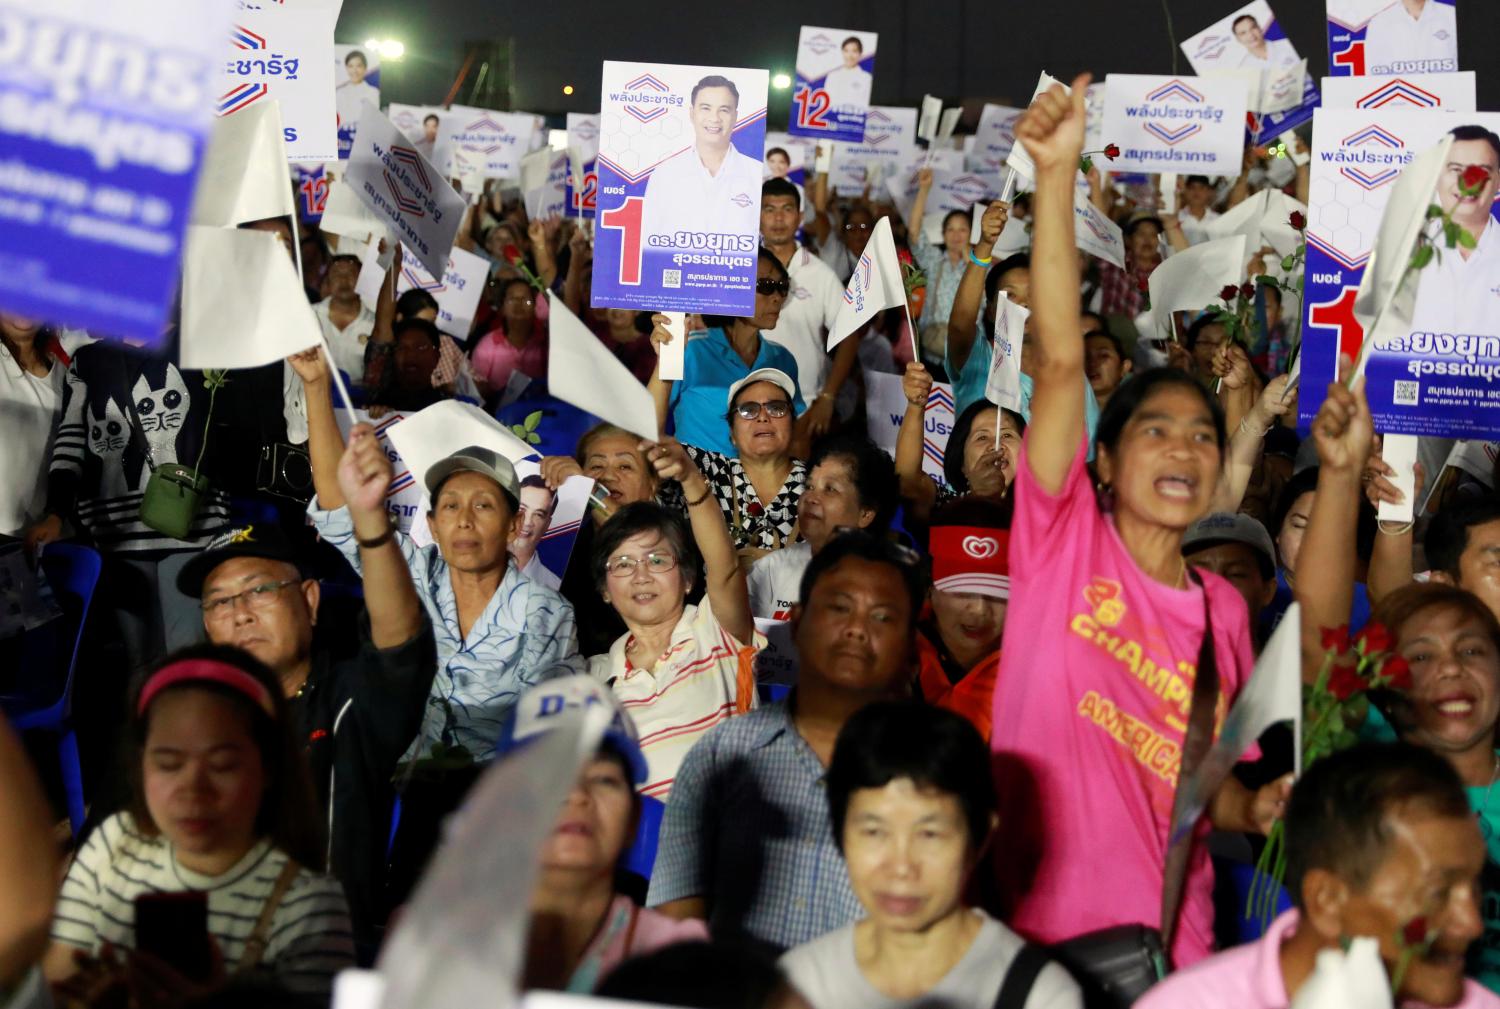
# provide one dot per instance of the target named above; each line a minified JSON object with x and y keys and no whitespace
{"x":630,"y":931}
{"x":1249,"y":977}
{"x":1089,"y":715}
{"x":494,"y":357}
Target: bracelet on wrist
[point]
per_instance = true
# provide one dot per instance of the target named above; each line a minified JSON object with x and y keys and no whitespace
{"x":1405,"y":528}
{"x":980,"y":262}
{"x":377,"y":541}
{"x":707,"y":493}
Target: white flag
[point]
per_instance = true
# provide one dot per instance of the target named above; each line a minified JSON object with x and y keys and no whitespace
{"x":1264,"y":219}
{"x":1018,"y":159}
{"x":244,"y":176}
{"x":1003,"y":388}
{"x":436,"y":432}
{"x":875,"y":286}
{"x":242,"y":304}
{"x":345,"y":216}
{"x":582,"y":371}
{"x":1094,"y":232}
{"x":1191,"y":280}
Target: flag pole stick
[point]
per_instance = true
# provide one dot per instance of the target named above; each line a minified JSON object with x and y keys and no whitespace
{"x":333,"y":368}
{"x":1010,"y":186}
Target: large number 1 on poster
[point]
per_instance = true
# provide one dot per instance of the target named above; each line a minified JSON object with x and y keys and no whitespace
{"x":812,"y":108}
{"x":626,"y":219}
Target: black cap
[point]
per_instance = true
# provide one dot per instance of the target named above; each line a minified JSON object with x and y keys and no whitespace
{"x":263,"y":539}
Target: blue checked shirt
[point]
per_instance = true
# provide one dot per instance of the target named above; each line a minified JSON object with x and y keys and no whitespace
{"x":747,"y":829}
{"x":524,"y":636}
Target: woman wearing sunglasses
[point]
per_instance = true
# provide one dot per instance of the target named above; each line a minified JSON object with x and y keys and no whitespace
{"x":679,"y":669}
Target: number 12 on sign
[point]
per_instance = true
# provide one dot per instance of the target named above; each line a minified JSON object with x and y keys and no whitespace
{"x":812,"y":109}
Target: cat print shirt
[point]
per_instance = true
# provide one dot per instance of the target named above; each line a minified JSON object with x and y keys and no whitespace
{"x":100,"y":467}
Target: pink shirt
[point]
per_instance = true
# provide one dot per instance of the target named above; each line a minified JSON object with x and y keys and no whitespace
{"x":494,"y":357}
{"x":630,"y":931}
{"x":1249,"y":977}
{"x":1089,"y":716}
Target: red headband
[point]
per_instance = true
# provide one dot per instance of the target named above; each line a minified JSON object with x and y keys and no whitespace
{"x":206,"y":671}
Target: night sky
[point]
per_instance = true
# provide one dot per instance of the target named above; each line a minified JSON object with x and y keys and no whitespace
{"x":952,"y":48}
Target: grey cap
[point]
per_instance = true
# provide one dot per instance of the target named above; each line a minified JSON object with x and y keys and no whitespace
{"x":476,"y":459}
{"x":1230,"y":527}
{"x":775,"y":376}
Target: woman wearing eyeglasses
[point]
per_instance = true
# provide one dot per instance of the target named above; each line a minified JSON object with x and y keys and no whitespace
{"x":679,"y":669}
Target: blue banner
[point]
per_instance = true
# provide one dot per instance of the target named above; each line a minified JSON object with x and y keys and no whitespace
{"x":99,"y":154}
{"x":1380,"y":38}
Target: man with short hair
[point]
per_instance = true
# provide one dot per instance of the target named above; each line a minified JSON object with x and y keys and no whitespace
{"x":710,"y":187}
{"x":1380,"y":843}
{"x":1460,"y":292}
{"x":1104,"y":364}
{"x":536,"y":506}
{"x":345,"y":321}
{"x":1412,"y":36}
{"x":811,"y":307}
{"x":355,"y":712}
{"x":1238,"y":549}
{"x":785,"y":883}
{"x":1463,"y":548}
{"x":1260,"y":52}
{"x":1198,"y":193}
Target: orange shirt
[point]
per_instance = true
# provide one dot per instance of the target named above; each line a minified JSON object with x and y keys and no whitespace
{"x":970,"y":697}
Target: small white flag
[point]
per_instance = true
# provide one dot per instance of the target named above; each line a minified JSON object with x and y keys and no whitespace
{"x":875,"y":286}
{"x":244,"y":176}
{"x":1094,"y":232}
{"x":1191,"y":280}
{"x":671,"y":358}
{"x":436,"y":432}
{"x":582,"y":371}
{"x":1003,"y":388}
{"x":927,"y":122}
{"x":242,"y":305}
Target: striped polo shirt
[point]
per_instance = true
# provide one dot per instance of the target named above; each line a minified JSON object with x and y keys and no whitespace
{"x":309,"y":940}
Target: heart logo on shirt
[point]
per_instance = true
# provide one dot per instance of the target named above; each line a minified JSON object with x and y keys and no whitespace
{"x":981,"y":547}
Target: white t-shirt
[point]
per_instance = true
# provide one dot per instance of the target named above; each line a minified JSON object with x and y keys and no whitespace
{"x":848,"y":87}
{"x":538,"y":572}
{"x":808,"y":313}
{"x":776,"y":581}
{"x":348,"y":344}
{"x":30,"y":408}
{"x":309,"y":940}
{"x":827,"y":974}
{"x":1397,"y":43}
{"x":1279,"y":53}
{"x":683,"y":196}
{"x":349,"y":99}
{"x":1462,"y":296}
{"x":1195,"y":229}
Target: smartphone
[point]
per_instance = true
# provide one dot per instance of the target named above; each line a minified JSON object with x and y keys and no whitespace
{"x":173,"y":927}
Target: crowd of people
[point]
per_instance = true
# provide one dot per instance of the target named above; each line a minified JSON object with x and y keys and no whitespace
{"x":956,"y":782}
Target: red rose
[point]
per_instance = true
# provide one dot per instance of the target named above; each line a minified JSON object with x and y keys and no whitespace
{"x":1373,"y":639}
{"x":1397,"y":673}
{"x":1298,"y":220}
{"x":1111,"y":151}
{"x":1414,"y":932}
{"x":1473,"y":179}
{"x":755,"y":509}
{"x":512,"y":255}
{"x":1344,"y":682}
{"x":1229,"y":293}
{"x":1143,"y":285}
{"x":1247,"y":290}
{"x":1336,"y":639}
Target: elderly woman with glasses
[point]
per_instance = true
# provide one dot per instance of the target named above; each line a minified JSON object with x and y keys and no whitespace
{"x":680,"y":669}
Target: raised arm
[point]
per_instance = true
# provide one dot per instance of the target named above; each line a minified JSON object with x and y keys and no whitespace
{"x":963,"y":317}
{"x":724,"y":581}
{"x":1391,"y":565}
{"x":385,"y":303}
{"x":919,"y":205}
{"x":916,"y":486}
{"x":541,"y":235}
{"x":1246,"y":443}
{"x":660,"y":389}
{"x":1343,"y":433}
{"x":28,"y":861}
{"x":1052,"y":131}
{"x":325,"y":446}
{"x":364,"y":476}
{"x":582,"y":254}
{"x":822,"y":226}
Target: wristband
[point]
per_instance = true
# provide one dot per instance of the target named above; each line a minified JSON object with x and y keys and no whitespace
{"x":979,"y":262}
{"x":378,"y":541}
{"x":702,"y":498}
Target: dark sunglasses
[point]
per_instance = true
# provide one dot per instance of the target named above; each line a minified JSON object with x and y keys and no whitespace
{"x":775,"y":409}
{"x":765,"y":285}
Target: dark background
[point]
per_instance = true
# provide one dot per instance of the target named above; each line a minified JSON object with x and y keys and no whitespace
{"x":952,"y":48}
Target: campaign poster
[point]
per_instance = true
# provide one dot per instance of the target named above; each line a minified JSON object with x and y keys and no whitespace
{"x":1250,"y":39}
{"x":496,"y":141}
{"x":1411,"y":91}
{"x":678,"y":222}
{"x":283,"y":52}
{"x":885,"y":405}
{"x":404,"y":498}
{"x":544,"y":183}
{"x":583,"y":178}
{"x":835,"y":76}
{"x":788,"y":157}
{"x":1386,"y":37}
{"x":951,"y":190}
{"x":994,"y":138}
{"x":457,"y":294}
{"x":99,"y":153}
{"x":1183,"y":125}
{"x":310,"y":184}
{"x":890,"y":143}
{"x":1425,"y":386}
{"x":419,"y":124}
{"x":356,"y":75}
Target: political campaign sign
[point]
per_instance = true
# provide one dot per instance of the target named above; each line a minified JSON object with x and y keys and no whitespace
{"x":890,"y":142}
{"x":100,"y":153}
{"x":993,"y":138}
{"x":457,"y":293}
{"x":418,"y":124}
{"x":583,"y":174}
{"x":1250,"y":39}
{"x":788,"y":157}
{"x":1385,"y":37}
{"x":282,"y":51}
{"x":678,"y":222}
{"x":310,"y":183}
{"x":403,"y":191}
{"x":1192,"y":125}
{"x":356,"y":75}
{"x":1408,"y":91}
{"x":885,"y":405}
{"x":496,"y":140}
{"x":950,"y":191}
{"x":404,"y":498}
{"x":835,"y":68}
{"x":544,"y":177}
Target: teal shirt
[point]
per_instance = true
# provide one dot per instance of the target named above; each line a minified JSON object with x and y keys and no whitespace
{"x":1484,"y":956}
{"x":969,"y":383}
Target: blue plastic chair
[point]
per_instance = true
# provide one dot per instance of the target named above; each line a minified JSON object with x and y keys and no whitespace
{"x":1241,"y":877}
{"x":641,"y":856}
{"x":71,"y":570}
{"x":770,"y":693}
